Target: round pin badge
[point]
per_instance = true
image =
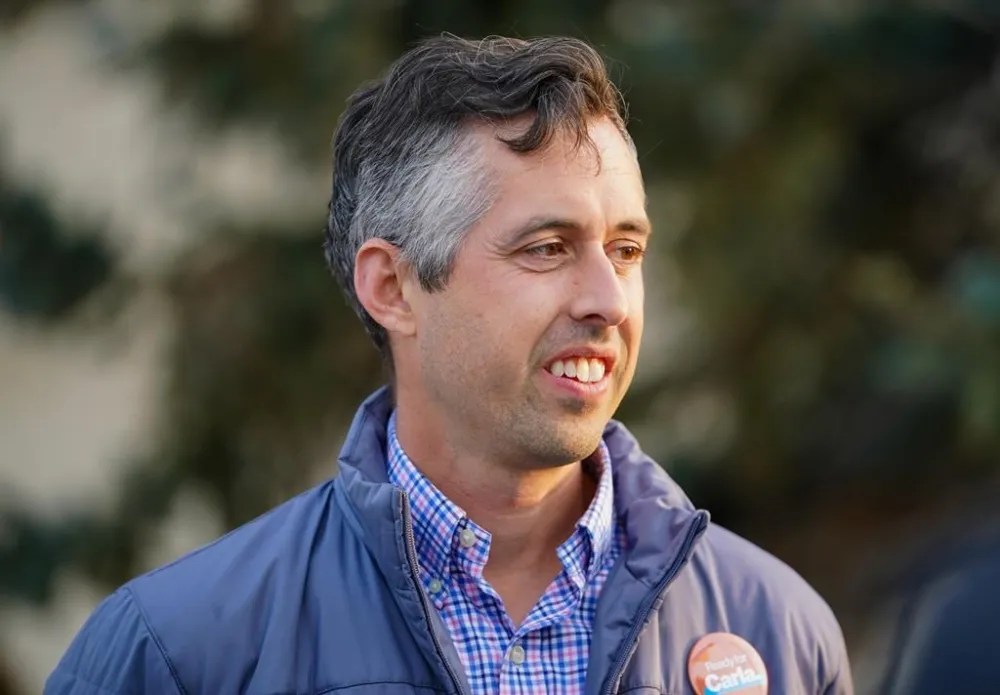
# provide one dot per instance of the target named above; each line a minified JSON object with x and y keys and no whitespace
{"x":725,"y":663}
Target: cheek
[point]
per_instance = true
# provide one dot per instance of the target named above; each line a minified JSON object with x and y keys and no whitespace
{"x":461,"y":336}
{"x":517,"y":306}
{"x":505,"y":309}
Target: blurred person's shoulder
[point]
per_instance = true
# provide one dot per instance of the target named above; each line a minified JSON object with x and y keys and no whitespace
{"x":943,"y":626}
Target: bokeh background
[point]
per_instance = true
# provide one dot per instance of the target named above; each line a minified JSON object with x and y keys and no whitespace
{"x":822,"y":362}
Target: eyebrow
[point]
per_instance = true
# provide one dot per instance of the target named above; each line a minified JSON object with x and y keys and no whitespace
{"x":536,"y":224}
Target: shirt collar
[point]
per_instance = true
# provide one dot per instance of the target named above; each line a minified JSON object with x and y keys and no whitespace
{"x":437,"y":521}
{"x":598,"y":521}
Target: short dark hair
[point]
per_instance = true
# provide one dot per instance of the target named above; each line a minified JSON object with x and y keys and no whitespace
{"x":404,"y":172}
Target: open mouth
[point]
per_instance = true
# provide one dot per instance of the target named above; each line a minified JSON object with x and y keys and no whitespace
{"x":586,"y":370}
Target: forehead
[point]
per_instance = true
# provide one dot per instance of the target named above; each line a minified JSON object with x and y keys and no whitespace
{"x":607,"y":156}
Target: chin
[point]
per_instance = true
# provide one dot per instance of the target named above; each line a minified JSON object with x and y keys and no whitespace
{"x":569,"y":434}
{"x":574,"y":443}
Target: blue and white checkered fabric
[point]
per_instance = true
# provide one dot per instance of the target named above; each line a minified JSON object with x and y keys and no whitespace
{"x":548,"y":652}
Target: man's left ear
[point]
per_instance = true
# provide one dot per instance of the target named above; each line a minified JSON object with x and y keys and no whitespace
{"x":380,"y":280}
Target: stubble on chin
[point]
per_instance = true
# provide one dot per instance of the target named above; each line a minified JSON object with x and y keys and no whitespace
{"x":567,"y":446}
{"x":557,"y":440}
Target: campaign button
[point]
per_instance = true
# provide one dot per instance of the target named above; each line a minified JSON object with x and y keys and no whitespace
{"x":721,"y":662}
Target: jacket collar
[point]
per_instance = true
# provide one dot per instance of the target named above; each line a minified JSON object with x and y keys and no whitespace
{"x":652,"y":507}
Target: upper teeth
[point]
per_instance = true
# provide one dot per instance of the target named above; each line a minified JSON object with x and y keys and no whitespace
{"x":579,"y":368}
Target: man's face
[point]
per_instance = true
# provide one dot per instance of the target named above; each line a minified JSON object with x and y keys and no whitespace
{"x":547,"y":285}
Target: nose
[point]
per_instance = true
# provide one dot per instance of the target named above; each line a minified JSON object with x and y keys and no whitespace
{"x":599,"y":295}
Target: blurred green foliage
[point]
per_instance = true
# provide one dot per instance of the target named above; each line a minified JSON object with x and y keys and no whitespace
{"x":823,"y":180}
{"x":44,"y":271}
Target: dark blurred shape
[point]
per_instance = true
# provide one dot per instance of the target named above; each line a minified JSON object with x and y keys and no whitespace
{"x":885,"y":439}
{"x":13,"y":10}
{"x":948,"y":641}
{"x":102,"y":545}
{"x":44,"y":271}
{"x":29,"y":553}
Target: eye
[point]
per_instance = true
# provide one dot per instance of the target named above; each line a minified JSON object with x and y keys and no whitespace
{"x":550,"y":249}
{"x":627,"y":252}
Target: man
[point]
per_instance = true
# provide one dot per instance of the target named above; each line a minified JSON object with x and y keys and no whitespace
{"x":491,"y":529}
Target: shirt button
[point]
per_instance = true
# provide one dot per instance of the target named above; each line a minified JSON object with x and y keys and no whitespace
{"x":517,"y":655}
{"x":435,"y":585}
{"x":467,"y":538}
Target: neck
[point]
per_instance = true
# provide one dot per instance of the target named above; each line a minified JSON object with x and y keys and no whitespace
{"x":528,"y":511}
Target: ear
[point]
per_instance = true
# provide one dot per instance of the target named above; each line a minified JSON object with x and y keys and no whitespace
{"x":380,"y":278}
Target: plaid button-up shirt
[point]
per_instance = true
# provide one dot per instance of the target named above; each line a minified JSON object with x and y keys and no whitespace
{"x":548,"y":651}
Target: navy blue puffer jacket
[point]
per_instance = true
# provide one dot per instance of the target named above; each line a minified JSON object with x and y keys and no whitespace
{"x":319,"y":596}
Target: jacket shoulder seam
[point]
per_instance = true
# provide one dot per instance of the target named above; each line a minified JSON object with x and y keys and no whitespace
{"x":156,"y":640}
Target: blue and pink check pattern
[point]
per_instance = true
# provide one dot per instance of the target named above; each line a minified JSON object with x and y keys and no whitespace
{"x":548,"y":652}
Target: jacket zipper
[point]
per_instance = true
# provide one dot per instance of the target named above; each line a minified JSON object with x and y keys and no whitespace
{"x":411,"y":557}
{"x":647,"y":606}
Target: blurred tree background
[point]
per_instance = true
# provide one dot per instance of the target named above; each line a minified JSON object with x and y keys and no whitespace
{"x":822,"y":366}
